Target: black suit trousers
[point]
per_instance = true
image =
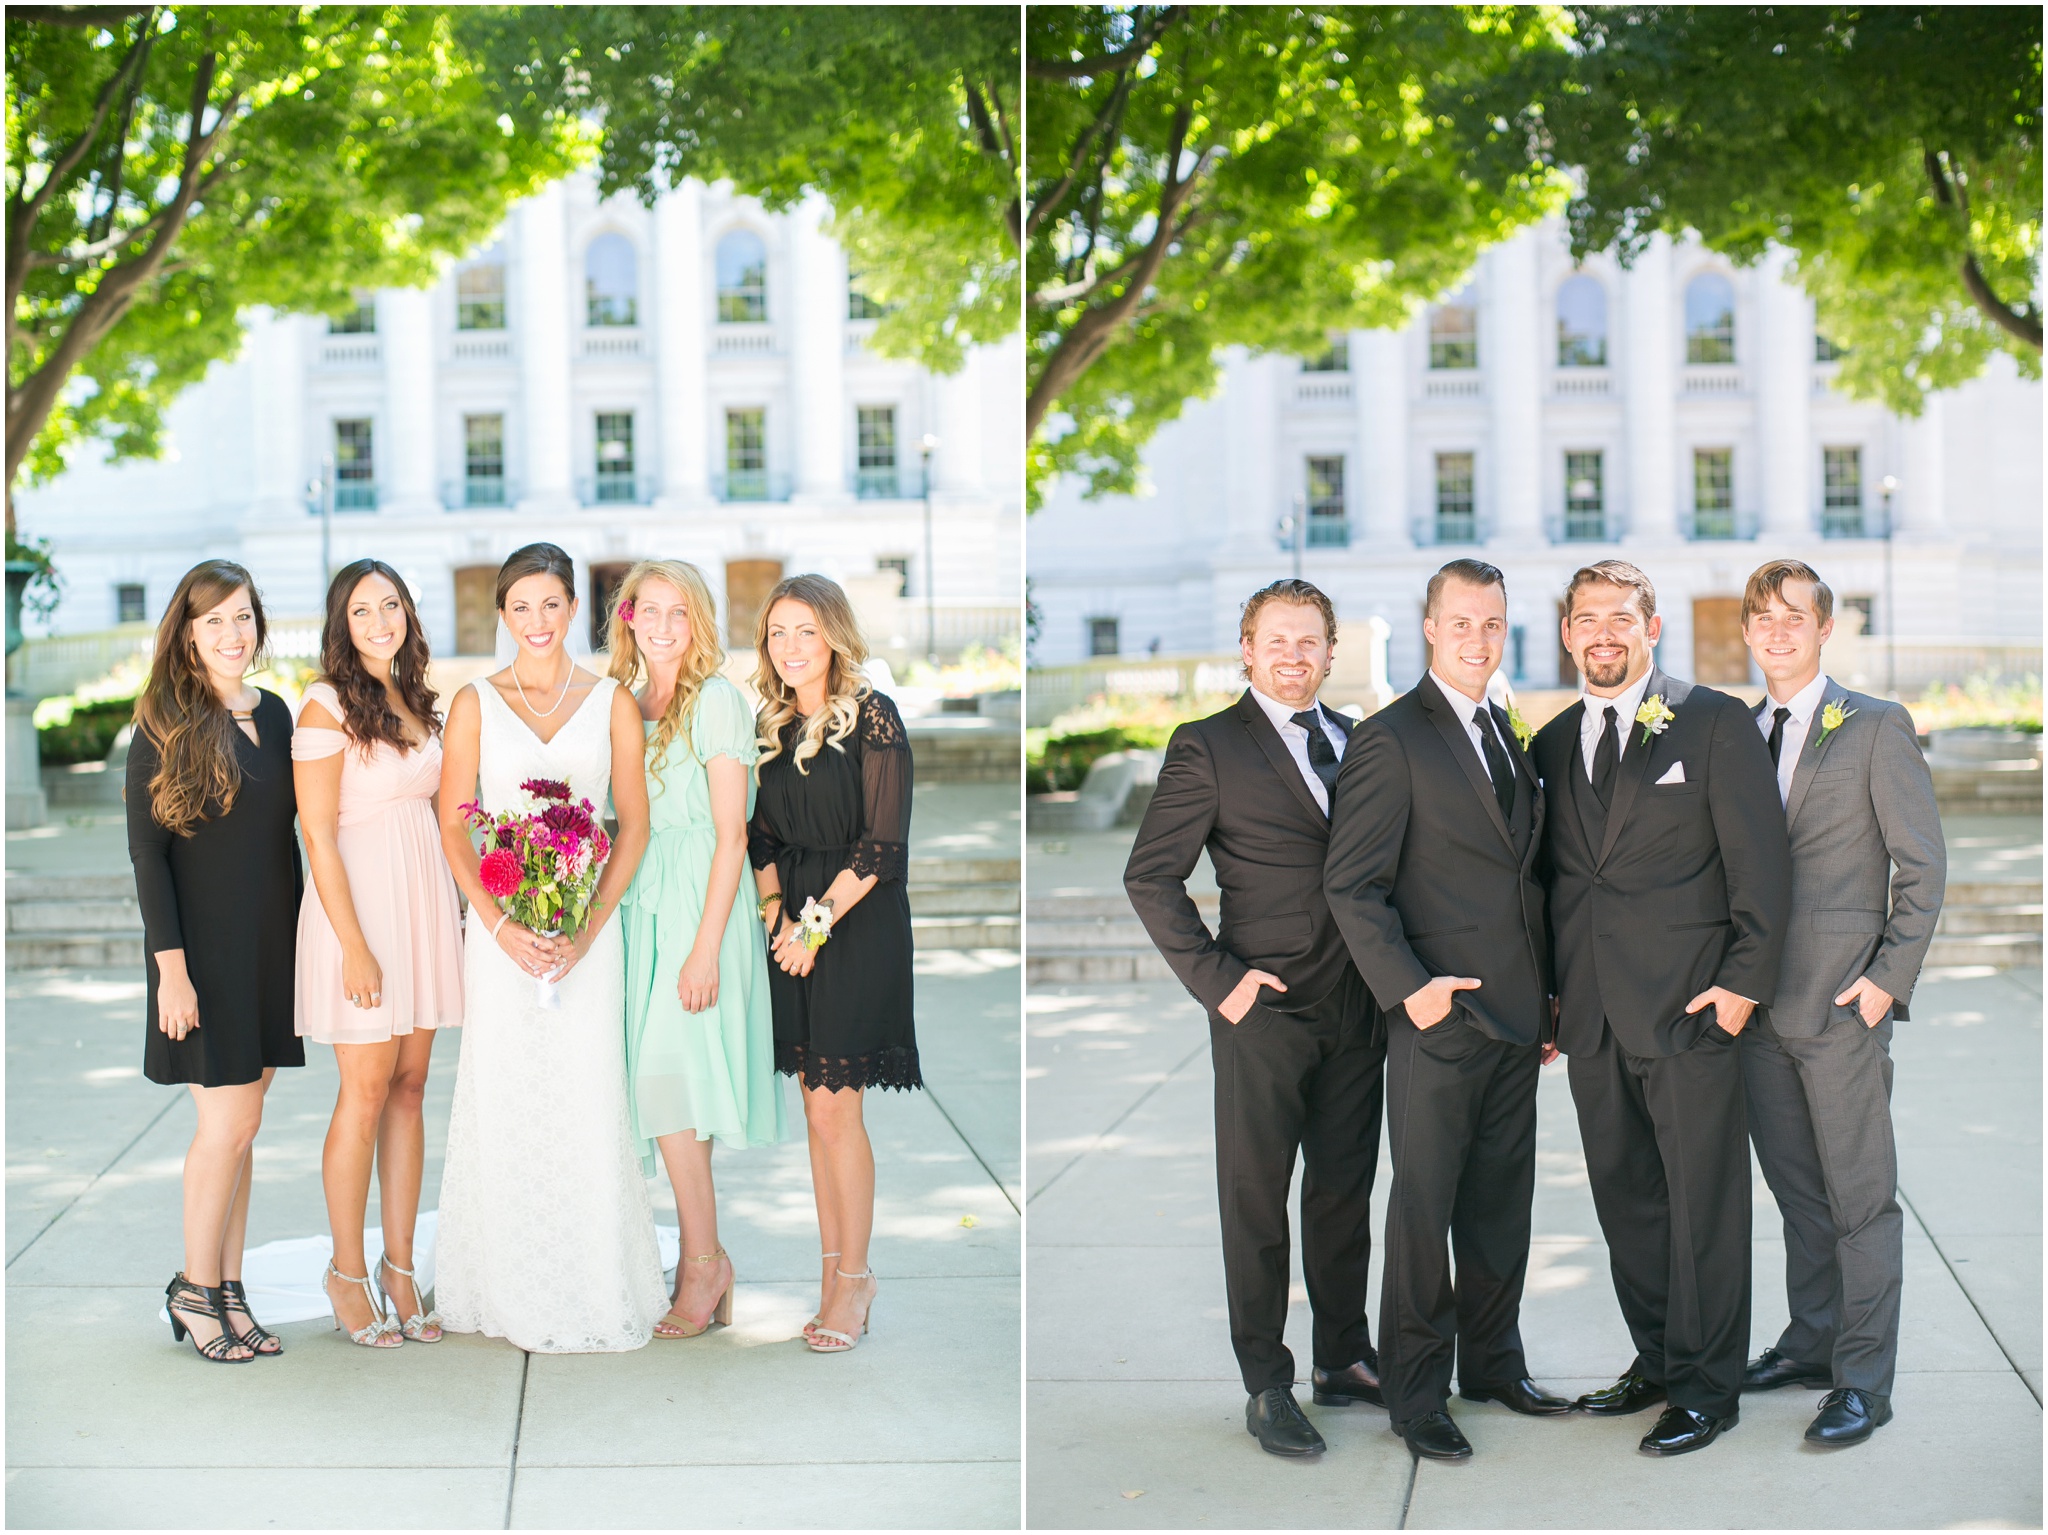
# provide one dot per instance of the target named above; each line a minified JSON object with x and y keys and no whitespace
{"x":1308,"y":1082}
{"x":1461,"y":1120}
{"x":1667,"y":1153}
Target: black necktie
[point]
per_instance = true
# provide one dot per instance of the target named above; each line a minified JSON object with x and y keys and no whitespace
{"x":1607,"y":760}
{"x":1777,"y":741}
{"x":1497,"y":763}
{"x":1321,"y":755}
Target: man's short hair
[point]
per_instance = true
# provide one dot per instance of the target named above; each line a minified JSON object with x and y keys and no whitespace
{"x":1292,"y":590}
{"x":1471,"y":572}
{"x":1768,"y":581}
{"x":1613,"y":573}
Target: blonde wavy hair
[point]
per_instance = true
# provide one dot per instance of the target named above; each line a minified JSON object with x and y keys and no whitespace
{"x":702,"y":657}
{"x":845,"y":683}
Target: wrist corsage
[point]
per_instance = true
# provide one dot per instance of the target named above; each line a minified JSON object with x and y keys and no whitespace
{"x":814,"y":924}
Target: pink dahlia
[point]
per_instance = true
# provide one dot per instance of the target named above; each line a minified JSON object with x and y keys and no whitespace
{"x":499,"y":872}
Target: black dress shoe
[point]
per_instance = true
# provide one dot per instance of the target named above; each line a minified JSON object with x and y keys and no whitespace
{"x":1349,"y":1387}
{"x":1433,"y":1436}
{"x":1275,"y":1419}
{"x":1849,"y":1416}
{"x":1680,"y":1429}
{"x":1771,"y":1369}
{"x":1629,"y":1394}
{"x":1523,"y":1396}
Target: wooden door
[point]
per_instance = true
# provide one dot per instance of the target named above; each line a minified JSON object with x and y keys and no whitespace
{"x":747,"y":585}
{"x":476,"y":610}
{"x":1718,"y":655}
{"x":605,"y":581}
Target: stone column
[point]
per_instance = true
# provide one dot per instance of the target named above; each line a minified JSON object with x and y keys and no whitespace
{"x":1260,"y":488}
{"x":1379,"y":394}
{"x":405,"y":456}
{"x":1650,"y":382}
{"x":1510,"y":352}
{"x":1920,"y":508}
{"x":957,"y":462}
{"x":1780,"y":359}
{"x":679,"y":346}
{"x":277,"y":417}
{"x":817,"y":355}
{"x":543,"y":320}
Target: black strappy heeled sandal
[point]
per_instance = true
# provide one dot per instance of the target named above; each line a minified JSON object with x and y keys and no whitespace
{"x":234,"y":1299}
{"x":195,"y":1300}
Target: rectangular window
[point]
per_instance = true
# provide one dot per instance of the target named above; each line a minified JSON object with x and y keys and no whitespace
{"x":1454,"y":337}
{"x":746,"y":455}
{"x":858,"y":305}
{"x":876,"y":428}
{"x":1457,"y":519}
{"x":1713,"y":493}
{"x":1854,"y":611}
{"x":1825,"y":350}
{"x":359,"y":321}
{"x":128,"y":603}
{"x":1585,"y":497}
{"x":480,"y":297}
{"x":615,"y":457}
{"x":355,"y":467}
{"x":1336,"y":358}
{"x":1327,"y":527}
{"x":483,"y":460}
{"x":1841,"y":495}
{"x":1102,"y":640}
{"x":899,"y":566}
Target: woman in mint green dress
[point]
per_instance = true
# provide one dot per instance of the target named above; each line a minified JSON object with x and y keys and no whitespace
{"x":700,"y":1040}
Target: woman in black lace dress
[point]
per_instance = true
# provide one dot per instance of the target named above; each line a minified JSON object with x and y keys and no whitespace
{"x":831,"y":826}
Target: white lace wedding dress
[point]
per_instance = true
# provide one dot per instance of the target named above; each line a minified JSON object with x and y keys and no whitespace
{"x":546,"y":1234}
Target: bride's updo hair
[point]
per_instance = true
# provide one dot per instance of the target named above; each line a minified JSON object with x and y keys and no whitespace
{"x":845,"y":683}
{"x":536,"y":560}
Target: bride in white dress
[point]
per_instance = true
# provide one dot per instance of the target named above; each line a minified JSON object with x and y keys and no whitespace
{"x":546,"y":1233}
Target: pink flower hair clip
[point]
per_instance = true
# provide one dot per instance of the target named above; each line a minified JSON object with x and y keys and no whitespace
{"x":625,"y":612}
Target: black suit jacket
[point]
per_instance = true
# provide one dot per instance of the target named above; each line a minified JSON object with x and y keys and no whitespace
{"x":1230,"y":785}
{"x":1689,"y":888}
{"x":1424,"y":874}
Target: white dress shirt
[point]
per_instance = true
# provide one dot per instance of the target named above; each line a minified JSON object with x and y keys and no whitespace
{"x":1625,"y":705}
{"x":1804,"y":704}
{"x":1296,"y":739}
{"x":1464,"y":708}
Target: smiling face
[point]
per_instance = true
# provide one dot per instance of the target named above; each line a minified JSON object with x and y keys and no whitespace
{"x":225,"y":637}
{"x":1607,"y":636}
{"x":796,"y":646}
{"x":1288,"y":655}
{"x":661,"y":623}
{"x":538,"y":611}
{"x":376,"y":620}
{"x":1785,"y":636}
{"x":1467,"y":634}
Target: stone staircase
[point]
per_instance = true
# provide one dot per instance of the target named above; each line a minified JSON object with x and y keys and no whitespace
{"x":965,"y":903}
{"x":1988,"y":922}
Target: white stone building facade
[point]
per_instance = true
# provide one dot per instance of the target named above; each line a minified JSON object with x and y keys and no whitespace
{"x":1679,"y":414}
{"x":690,"y":380}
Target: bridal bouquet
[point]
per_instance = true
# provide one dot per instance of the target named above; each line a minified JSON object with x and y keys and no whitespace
{"x":541,"y":861}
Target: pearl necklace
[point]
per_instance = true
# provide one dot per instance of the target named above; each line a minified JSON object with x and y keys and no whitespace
{"x":541,"y":714}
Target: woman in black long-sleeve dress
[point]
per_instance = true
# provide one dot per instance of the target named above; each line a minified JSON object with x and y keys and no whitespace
{"x":832,"y":825}
{"x":210,"y":810}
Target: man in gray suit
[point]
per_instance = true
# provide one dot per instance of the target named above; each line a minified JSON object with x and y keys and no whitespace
{"x":1868,"y":868}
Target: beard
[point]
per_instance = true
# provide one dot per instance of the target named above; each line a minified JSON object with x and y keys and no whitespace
{"x":1611,"y":674}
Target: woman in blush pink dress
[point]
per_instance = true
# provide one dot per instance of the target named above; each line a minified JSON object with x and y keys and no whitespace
{"x":380,"y":938}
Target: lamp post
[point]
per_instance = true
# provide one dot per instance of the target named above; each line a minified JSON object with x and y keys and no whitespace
{"x":931,"y":629}
{"x":1891,"y":621}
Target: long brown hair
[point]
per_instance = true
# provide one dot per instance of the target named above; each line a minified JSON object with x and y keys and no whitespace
{"x":366,"y":712}
{"x":845,"y":683}
{"x":701,"y":660}
{"x":198,"y":774}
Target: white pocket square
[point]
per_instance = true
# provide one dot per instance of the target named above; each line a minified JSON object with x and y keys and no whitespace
{"x":1674,"y":774}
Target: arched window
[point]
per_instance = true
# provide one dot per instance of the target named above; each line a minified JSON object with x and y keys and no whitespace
{"x":742,"y":278}
{"x":1582,"y":323}
{"x":611,"y":280}
{"x":1709,"y":319}
{"x":1454,"y":331}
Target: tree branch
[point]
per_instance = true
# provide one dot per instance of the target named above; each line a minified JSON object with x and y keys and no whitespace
{"x":1107,"y":122}
{"x":87,"y":15}
{"x":2019,"y":323}
{"x":1105,"y":63}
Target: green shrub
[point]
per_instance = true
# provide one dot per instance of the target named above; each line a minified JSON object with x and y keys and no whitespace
{"x":1062,"y":762}
{"x":87,"y":735}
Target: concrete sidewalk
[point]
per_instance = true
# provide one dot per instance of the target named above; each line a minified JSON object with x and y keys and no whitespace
{"x":111,"y":1425}
{"x":1136,"y":1413}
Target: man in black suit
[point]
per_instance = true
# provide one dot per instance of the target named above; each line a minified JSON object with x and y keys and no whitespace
{"x":1432,"y":878}
{"x":1298,"y":1046}
{"x":1670,"y":877}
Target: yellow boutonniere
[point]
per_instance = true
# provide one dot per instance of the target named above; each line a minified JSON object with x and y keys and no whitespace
{"x":1524,"y":731}
{"x":1831,"y":718}
{"x":1653,"y":716}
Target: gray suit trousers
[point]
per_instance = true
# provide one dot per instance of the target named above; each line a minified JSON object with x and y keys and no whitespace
{"x":1820,"y":1117}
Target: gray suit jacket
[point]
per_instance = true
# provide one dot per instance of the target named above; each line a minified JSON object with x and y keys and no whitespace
{"x":1864,"y":825}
